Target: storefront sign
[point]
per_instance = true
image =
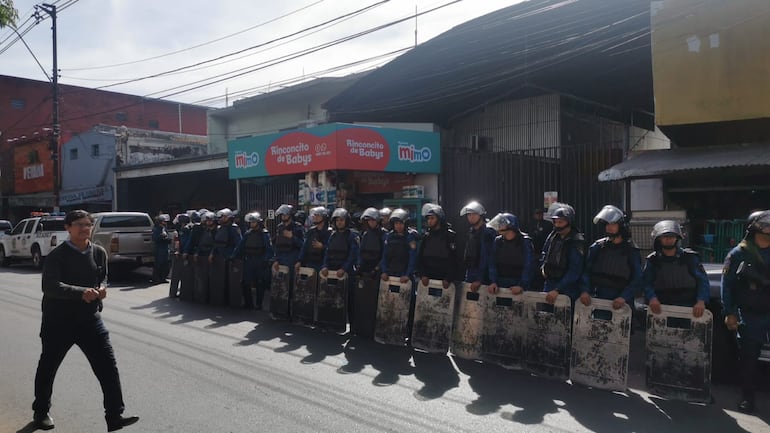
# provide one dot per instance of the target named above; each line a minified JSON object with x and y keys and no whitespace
{"x":376,"y":183}
{"x":88,"y":195}
{"x":335,"y":146}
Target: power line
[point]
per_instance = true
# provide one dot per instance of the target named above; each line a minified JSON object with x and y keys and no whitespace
{"x":272,"y":20}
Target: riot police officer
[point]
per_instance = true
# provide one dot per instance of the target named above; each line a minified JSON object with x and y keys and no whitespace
{"x":372,"y":239}
{"x":511,"y":261}
{"x":313,"y":249}
{"x":385,"y":217}
{"x":399,"y":253}
{"x":342,"y":251}
{"x":183,"y":227}
{"x":437,"y":256}
{"x":256,"y":250}
{"x":161,"y":241}
{"x":226,"y":237}
{"x":674,"y":275}
{"x":613,"y":264}
{"x":289,"y":237}
{"x":477,"y":246}
{"x":746,"y":299}
{"x":563,"y":255}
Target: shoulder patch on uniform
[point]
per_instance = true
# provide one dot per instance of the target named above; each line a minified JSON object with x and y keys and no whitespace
{"x":726,"y":267}
{"x":413,"y":245}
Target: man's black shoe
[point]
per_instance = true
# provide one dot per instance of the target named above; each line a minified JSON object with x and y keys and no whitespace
{"x":746,"y":405}
{"x":43,"y":421}
{"x":120,"y":421}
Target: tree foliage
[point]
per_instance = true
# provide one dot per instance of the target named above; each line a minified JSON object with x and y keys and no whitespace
{"x":8,"y":14}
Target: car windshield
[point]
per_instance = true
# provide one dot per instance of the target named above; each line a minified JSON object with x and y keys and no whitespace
{"x":112,"y":221}
{"x":52,"y":225}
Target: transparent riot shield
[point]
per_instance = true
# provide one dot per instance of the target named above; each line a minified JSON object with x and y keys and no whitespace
{"x":433,"y":316}
{"x":679,"y":354}
{"x":217,"y":280}
{"x":367,"y":291}
{"x":186,"y":280}
{"x":201,"y":288}
{"x":505,"y":329}
{"x":279,"y":294}
{"x":235,"y":283}
{"x":547,"y":347}
{"x":332,"y":302}
{"x":393,"y":304}
{"x":469,"y":322}
{"x":303,"y":301}
{"x":601,"y":337}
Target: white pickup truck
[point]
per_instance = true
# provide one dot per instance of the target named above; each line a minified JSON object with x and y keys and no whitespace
{"x":127,"y":237}
{"x":32,"y":239}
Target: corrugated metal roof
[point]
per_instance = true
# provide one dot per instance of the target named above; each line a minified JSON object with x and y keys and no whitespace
{"x":658,"y":163}
{"x":593,"y":49}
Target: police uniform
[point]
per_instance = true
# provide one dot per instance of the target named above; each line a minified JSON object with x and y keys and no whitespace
{"x":256,"y":250}
{"x":511,"y":262}
{"x":476,"y":254}
{"x":676,"y":280}
{"x":310,"y":256}
{"x":612,"y":270}
{"x":161,"y":241}
{"x":746,"y":294}
{"x":370,"y":251}
{"x":399,"y":253}
{"x":437,"y":257}
{"x":287,"y":249}
{"x":562,"y":262}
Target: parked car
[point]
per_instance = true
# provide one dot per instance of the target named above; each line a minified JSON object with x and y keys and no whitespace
{"x":127,"y":237}
{"x":5,"y":226}
{"x":32,"y":239}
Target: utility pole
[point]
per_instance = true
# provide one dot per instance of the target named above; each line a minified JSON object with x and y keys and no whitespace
{"x":53,"y":145}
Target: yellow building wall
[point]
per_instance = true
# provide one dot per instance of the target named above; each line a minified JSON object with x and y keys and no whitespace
{"x":711,"y":60}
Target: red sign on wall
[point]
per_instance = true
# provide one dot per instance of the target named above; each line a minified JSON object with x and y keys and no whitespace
{"x":33,"y":168}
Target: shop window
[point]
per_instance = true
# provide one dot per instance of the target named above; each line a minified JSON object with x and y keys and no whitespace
{"x":94,"y":150}
{"x":18,"y":104}
{"x":121,"y":116}
{"x":153,"y":124}
{"x":73,"y":154}
{"x":33,"y":157}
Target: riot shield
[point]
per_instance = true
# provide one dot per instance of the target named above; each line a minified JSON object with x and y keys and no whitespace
{"x":201,"y":288}
{"x":433,"y":316}
{"x":331,"y":307}
{"x":177,"y":262}
{"x":505,"y":329}
{"x":235,"y":282}
{"x":393,"y":305}
{"x":547,"y":347}
{"x":469,"y":322}
{"x":679,"y":354}
{"x":365,"y":306}
{"x":600,"y":344}
{"x":186,"y":280}
{"x":303,"y":301}
{"x":217,"y":280}
{"x":279,"y":294}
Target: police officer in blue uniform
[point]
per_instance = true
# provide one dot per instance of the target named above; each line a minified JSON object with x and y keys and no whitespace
{"x":226,"y":237}
{"x":746,"y":300}
{"x":313,"y":249}
{"x":289,"y":237}
{"x":511,"y":261}
{"x":161,"y":241}
{"x":342,"y":251}
{"x":183,"y":227}
{"x":563,"y":255}
{"x":437,"y":256}
{"x":613,"y":265}
{"x":399,"y":254}
{"x":256,"y":250}
{"x":477,"y":246}
{"x":674,"y":275}
{"x":372,"y":240}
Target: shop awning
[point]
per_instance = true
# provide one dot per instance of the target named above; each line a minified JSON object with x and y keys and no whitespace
{"x":659,"y":163}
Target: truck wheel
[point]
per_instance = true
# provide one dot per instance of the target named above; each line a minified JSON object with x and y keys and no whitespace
{"x":37,"y":258}
{"x":4,"y":261}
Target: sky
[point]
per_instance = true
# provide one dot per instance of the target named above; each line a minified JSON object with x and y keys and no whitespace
{"x":113,"y":44}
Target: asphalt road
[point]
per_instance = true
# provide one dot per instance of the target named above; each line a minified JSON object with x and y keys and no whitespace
{"x":193,"y":368}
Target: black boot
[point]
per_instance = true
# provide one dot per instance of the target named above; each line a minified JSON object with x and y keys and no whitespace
{"x":119,"y":421}
{"x":746,"y":405}
{"x":42,"y":421}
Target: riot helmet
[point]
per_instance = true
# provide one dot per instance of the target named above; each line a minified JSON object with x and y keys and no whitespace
{"x":370,"y":214}
{"x":759,"y":222}
{"x":432,"y":209}
{"x":253,"y":217}
{"x":182,"y":219}
{"x":164,"y":218}
{"x":610,"y":214}
{"x":504,"y":222}
{"x":565,"y":212}
{"x":284,"y":209}
{"x":341,"y":213}
{"x":666,"y":228}
{"x":208,"y":216}
{"x":473,"y":207}
{"x":195,"y":217}
{"x":224,"y":213}
{"x":385,"y":212}
{"x":319,"y":211}
{"x":399,"y":215}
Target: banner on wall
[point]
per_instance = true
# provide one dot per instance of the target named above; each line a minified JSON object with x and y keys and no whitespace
{"x":335,"y":146}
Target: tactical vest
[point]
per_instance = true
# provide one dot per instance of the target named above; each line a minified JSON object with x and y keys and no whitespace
{"x":472,"y":253}
{"x":315,"y":256}
{"x":675,"y":282}
{"x":206,"y":242}
{"x":611,"y":268}
{"x":555,"y":264}
{"x":254,"y":245}
{"x":397,"y":260}
{"x":371,"y":246}
{"x":222,"y":237}
{"x":509,"y":257}
{"x":436,"y":245}
{"x":338,"y":250}
{"x":282,"y":243}
{"x":754,"y":294}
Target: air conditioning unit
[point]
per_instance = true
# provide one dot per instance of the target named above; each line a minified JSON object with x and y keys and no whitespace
{"x":480,"y":143}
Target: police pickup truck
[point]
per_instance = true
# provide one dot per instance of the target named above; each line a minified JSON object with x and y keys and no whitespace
{"x":127,"y":237}
{"x":32,"y":239}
